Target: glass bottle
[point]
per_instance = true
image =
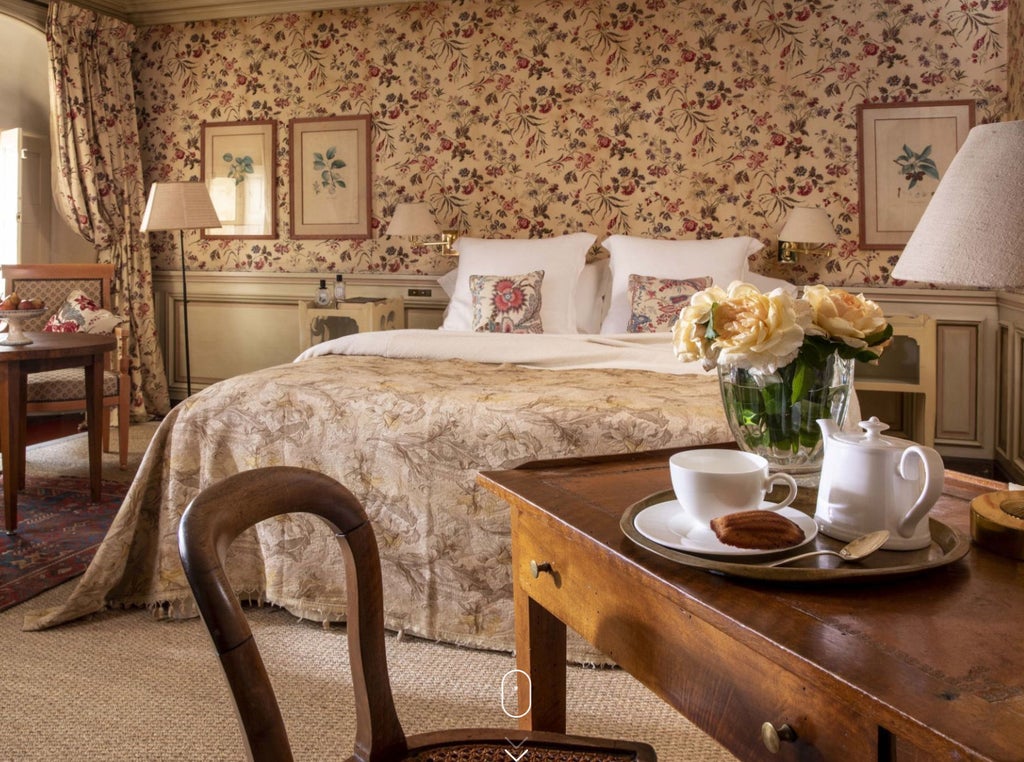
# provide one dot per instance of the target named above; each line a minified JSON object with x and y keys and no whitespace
{"x":323,"y":298}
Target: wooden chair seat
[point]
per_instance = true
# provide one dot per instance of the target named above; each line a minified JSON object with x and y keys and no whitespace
{"x":63,"y":391}
{"x":223,"y":511}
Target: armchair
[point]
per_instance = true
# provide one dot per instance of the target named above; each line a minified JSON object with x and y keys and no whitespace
{"x":63,"y":391}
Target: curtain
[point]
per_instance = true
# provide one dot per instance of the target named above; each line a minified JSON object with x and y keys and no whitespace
{"x":99,"y":186}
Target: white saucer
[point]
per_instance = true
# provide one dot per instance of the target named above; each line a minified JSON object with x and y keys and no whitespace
{"x":667,"y":524}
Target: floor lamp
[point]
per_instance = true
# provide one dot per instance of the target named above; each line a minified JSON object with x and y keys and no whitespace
{"x":181,"y":207}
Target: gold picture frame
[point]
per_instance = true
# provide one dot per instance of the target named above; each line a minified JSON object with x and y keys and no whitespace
{"x":239,"y":168}
{"x":331,"y":180}
{"x":903,"y":151}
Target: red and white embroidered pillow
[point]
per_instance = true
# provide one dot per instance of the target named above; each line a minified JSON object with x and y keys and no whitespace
{"x":80,"y":313}
{"x":655,"y":303}
{"x":507,"y":303}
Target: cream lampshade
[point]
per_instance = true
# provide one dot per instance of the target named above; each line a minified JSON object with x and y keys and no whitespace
{"x":415,"y":221}
{"x":180,"y":206}
{"x":972,"y":232}
{"x":412,"y":221}
{"x":807,"y":230}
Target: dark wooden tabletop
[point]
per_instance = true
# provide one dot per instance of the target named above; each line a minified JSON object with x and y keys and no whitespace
{"x":943,"y":647}
{"x":49,"y":345}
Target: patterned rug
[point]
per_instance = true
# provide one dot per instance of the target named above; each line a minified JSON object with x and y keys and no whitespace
{"x":58,"y":533}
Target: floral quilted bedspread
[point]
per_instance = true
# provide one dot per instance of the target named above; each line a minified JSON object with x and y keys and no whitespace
{"x":408,"y":438}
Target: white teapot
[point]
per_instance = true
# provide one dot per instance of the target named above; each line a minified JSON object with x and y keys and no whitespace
{"x":870,"y":482}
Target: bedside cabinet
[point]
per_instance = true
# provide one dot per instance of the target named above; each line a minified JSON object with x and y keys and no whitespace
{"x":358,"y":315}
{"x":906,"y":371}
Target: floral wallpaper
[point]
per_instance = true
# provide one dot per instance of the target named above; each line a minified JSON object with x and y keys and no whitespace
{"x":1015,"y":61}
{"x":660,"y":118}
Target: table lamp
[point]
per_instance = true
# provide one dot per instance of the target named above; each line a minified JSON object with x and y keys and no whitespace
{"x":972,"y":234}
{"x":807,"y":230}
{"x":414,"y":221}
{"x":181,"y":207}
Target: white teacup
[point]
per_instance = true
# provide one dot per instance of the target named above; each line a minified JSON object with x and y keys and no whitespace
{"x":712,"y":483}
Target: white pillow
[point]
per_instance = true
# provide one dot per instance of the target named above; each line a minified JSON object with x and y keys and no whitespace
{"x":447,"y":281}
{"x":766,"y":283}
{"x":722,"y":259}
{"x":561,"y":258}
{"x":592,"y":292}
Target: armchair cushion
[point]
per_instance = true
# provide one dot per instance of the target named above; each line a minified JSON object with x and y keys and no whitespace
{"x":66,"y":384}
{"x":80,"y":313}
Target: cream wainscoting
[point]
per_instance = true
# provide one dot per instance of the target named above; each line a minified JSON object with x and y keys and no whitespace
{"x":1008,"y":369}
{"x":242,"y":321}
{"x":239,"y":322}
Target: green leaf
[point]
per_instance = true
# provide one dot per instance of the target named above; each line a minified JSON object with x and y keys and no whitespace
{"x":802,"y":379}
{"x":877,"y":338}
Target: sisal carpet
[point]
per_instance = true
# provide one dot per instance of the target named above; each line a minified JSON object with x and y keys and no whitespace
{"x":123,"y":686}
{"x":69,"y":456}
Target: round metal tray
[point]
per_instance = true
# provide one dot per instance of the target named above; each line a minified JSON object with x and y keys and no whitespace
{"x":948,"y":545}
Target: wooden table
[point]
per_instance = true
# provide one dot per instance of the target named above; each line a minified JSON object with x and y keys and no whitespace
{"x":48,"y":351}
{"x":921,"y":667}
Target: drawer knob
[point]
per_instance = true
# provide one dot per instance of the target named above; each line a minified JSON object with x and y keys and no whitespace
{"x":537,"y":568}
{"x":773,"y":737}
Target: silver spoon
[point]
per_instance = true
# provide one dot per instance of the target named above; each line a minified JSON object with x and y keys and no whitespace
{"x":852,"y":551}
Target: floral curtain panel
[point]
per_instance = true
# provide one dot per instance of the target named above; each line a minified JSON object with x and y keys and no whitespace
{"x":99,"y":187}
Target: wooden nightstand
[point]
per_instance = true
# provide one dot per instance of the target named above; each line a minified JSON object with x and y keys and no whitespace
{"x":358,"y":315}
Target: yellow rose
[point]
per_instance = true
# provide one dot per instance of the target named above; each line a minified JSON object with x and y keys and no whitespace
{"x":844,"y":317}
{"x":758,"y":331}
{"x":689,"y":332}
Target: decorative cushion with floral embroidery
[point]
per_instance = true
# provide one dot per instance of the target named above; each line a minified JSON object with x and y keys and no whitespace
{"x":507,"y":303}
{"x":80,"y":313}
{"x":655,"y":303}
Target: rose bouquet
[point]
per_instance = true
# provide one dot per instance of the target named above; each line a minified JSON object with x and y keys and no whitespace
{"x":783,"y":362}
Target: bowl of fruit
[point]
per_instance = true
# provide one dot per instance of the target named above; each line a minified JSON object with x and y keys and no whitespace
{"x":16,"y":311}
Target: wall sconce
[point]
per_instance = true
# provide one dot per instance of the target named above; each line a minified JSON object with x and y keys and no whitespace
{"x":808,"y":230}
{"x":414,"y":221}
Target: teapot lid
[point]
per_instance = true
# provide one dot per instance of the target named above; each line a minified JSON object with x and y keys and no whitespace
{"x":872,"y":436}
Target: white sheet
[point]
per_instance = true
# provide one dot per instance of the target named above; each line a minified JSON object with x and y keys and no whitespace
{"x":627,"y":351}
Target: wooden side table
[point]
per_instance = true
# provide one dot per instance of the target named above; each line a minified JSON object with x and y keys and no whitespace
{"x":924,"y":666}
{"x":359,"y":315}
{"x":48,"y":351}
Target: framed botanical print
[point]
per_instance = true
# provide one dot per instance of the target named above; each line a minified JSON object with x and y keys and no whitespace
{"x":239,"y":168}
{"x":903,"y":151}
{"x":329,"y":162}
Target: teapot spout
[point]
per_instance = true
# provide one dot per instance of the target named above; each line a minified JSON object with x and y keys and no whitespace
{"x":828,"y":429}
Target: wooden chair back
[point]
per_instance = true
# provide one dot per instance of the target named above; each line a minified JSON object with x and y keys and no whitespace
{"x":215,"y":518}
{"x":53,"y":282}
{"x":223,"y":511}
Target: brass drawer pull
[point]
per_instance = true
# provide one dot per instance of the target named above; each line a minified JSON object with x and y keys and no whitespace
{"x":773,"y":737}
{"x":537,"y":568}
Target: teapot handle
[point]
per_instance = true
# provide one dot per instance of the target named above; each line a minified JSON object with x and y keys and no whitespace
{"x":934,"y":475}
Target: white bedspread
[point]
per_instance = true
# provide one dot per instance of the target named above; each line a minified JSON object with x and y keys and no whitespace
{"x":627,"y":351}
{"x":408,"y":433}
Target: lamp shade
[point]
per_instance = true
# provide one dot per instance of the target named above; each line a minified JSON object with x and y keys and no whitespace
{"x":414,"y":219}
{"x":972,"y":231}
{"x":808,"y":224}
{"x":179,"y":206}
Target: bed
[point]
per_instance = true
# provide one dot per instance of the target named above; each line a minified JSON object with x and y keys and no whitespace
{"x":406,"y":420}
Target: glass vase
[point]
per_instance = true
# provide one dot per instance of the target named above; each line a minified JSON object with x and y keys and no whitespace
{"x":775,"y":415}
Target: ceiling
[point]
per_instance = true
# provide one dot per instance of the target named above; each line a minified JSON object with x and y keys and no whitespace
{"x":146,"y":12}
